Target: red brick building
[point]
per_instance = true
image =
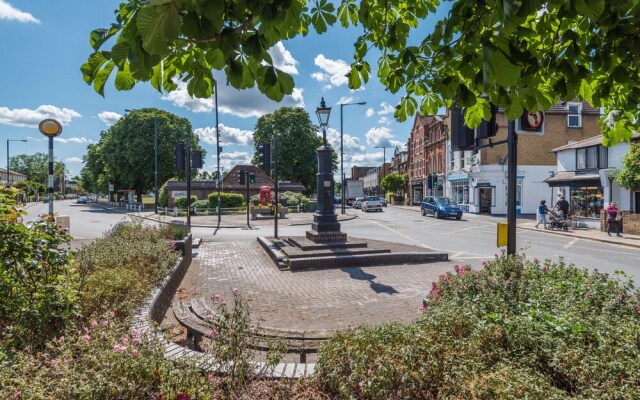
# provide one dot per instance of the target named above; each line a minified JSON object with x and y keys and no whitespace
{"x":426,"y":157}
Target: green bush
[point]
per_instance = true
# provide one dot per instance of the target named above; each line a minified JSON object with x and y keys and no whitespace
{"x":227,"y":200}
{"x":293,"y":199}
{"x":163,"y":196}
{"x":201,"y":204}
{"x":37,"y":283}
{"x":118,"y":270}
{"x":516,"y":329}
{"x":176,"y":230}
{"x":181,"y":202}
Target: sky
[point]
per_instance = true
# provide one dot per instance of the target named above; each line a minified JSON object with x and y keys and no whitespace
{"x":45,"y":42}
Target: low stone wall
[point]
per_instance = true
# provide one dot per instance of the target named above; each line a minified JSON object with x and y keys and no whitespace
{"x":162,"y":300}
{"x":630,"y":222}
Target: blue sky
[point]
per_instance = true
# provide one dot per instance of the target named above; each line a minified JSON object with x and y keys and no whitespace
{"x":45,"y":42}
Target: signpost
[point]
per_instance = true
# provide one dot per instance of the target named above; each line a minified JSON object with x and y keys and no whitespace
{"x":50,"y":128}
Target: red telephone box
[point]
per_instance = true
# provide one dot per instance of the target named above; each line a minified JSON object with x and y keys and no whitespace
{"x":265,"y":195}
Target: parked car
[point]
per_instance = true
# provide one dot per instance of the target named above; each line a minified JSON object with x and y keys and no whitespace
{"x":358,"y":202}
{"x":439,"y":206}
{"x":371,"y":203}
{"x":82,"y":200}
{"x":383,"y":201}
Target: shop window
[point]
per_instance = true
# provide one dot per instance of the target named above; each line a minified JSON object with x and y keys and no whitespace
{"x":586,"y":201}
{"x":574,"y":117}
{"x":460,"y":192}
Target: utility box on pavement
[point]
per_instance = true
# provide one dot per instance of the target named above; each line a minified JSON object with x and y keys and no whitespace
{"x":63,"y":223}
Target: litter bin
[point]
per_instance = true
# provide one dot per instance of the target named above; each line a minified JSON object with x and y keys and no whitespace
{"x":63,"y":223}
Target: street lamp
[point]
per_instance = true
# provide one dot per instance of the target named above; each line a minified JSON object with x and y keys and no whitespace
{"x":155,"y":160}
{"x":325,"y":226}
{"x":384,"y":159}
{"x":9,"y":162}
{"x":342,"y":153}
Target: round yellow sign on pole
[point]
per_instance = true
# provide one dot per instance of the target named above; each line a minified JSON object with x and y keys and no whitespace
{"x":50,"y":127}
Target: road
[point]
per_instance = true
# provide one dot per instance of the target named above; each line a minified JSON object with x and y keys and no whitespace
{"x":468,"y":241}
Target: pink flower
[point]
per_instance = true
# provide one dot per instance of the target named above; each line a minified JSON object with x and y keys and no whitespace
{"x":105,"y":323}
{"x":484,"y":263}
{"x":369,"y":372}
{"x":424,"y":308}
{"x":86,"y":338}
{"x":496,"y":255}
{"x":456,"y":268}
{"x":17,"y":394}
{"x":216,"y":296}
{"x":54,"y":363}
{"x":212,"y":333}
{"x":85,"y":329}
{"x":544,"y":269}
{"x":182,"y":396}
{"x":638,"y":309}
{"x":507,"y":281}
{"x":135,"y":352}
{"x":117,"y":348}
{"x":235,"y":291}
{"x":102,"y":335}
{"x":462,"y":271}
{"x":125,"y":340}
{"x":94,"y":324}
{"x":360,"y":384}
{"x":111,"y":314}
{"x":210,"y":377}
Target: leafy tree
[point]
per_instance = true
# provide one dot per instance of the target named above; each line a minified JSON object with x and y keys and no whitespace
{"x":395,"y":183}
{"x":520,"y":54}
{"x":629,"y":176}
{"x":125,"y":154}
{"x":36,"y":167}
{"x":297,"y":144}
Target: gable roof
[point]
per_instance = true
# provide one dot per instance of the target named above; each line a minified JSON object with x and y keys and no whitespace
{"x":592,"y":141}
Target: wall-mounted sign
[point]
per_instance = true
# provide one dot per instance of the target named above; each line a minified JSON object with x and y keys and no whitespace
{"x":530,"y":123}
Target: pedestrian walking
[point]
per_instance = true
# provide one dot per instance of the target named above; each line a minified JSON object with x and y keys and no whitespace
{"x":614,"y":216}
{"x":562,"y":205}
{"x":542,"y":214}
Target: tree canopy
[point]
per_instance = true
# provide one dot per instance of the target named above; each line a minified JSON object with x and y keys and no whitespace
{"x":395,"y":183}
{"x":518,"y":54}
{"x":629,"y":176}
{"x":297,"y":144}
{"x":36,"y":167}
{"x":124,"y":155}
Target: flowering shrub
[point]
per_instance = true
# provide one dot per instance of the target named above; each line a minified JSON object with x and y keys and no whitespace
{"x":37,"y":284}
{"x":515,"y":329}
{"x":232,"y":342}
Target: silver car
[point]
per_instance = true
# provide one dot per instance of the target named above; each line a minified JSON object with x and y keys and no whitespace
{"x":371,"y":203}
{"x":358,"y":202}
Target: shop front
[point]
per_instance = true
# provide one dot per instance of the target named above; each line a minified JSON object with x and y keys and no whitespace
{"x":459,"y":190}
{"x":585,"y":194}
{"x":417,"y":191}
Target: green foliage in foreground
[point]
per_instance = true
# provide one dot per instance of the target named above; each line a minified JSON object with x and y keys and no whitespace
{"x":629,"y":177}
{"x":517,"y":329}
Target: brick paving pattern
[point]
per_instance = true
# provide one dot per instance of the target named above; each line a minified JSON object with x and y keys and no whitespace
{"x":322,"y":299}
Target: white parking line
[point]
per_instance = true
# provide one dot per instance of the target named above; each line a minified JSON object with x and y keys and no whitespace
{"x":571,"y":243}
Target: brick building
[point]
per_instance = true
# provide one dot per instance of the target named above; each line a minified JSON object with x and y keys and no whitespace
{"x":400,"y":165}
{"x":427,"y":157}
{"x":359,"y":172}
{"x":477,"y":180}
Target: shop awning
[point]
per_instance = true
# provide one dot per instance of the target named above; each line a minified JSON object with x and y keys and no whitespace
{"x":574,"y":179}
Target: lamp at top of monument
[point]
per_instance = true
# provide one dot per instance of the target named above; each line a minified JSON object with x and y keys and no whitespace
{"x":50,"y":127}
{"x":323,"y":113}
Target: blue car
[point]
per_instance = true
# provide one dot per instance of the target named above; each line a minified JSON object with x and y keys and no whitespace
{"x":383,"y":201}
{"x":439,"y":206}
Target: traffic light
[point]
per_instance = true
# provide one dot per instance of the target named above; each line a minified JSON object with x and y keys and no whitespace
{"x":429,"y":182}
{"x":241,"y":177}
{"x":180,"y":153}
{"x":252,"y":178}
{"x":264,"y":157}
{"x":488,"y":128}
{"x":462,"y":137}
{"x":196,"y":159}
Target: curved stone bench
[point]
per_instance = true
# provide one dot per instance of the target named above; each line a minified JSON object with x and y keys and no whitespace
{"x":156,"y":306}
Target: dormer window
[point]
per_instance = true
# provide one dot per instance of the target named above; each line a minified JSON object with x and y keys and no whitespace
{"x":574,"y":117}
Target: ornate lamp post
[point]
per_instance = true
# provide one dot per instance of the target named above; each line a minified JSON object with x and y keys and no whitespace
{"x":325,"y":226}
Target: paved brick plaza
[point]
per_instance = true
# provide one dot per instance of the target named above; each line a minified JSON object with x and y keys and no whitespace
{"x":323,"y":299}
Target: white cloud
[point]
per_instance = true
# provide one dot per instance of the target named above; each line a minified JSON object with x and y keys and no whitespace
{"x":73,"y":140}
{"x":282,"y":59}
{"x":384,"y":121}
{"x":242,"y":103}
{"x":228,"y":135}
{"x":370,"y":112}
{"x":230,"y":160}
{"x":109,"y":117}
{"x":73,"y":160}
{"x":25,"y":117}
{"x":9,"y":13}
{"x":381,"y":137}
{"x":386,"y":108}
{"x":333,"y":71}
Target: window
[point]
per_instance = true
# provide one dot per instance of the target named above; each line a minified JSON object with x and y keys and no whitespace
{"x":574,"y":117}
{"x":592,"y":157}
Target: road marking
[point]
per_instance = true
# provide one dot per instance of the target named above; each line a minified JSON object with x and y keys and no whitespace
{"x":398,"y":233}
{"x":571,"y":243}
